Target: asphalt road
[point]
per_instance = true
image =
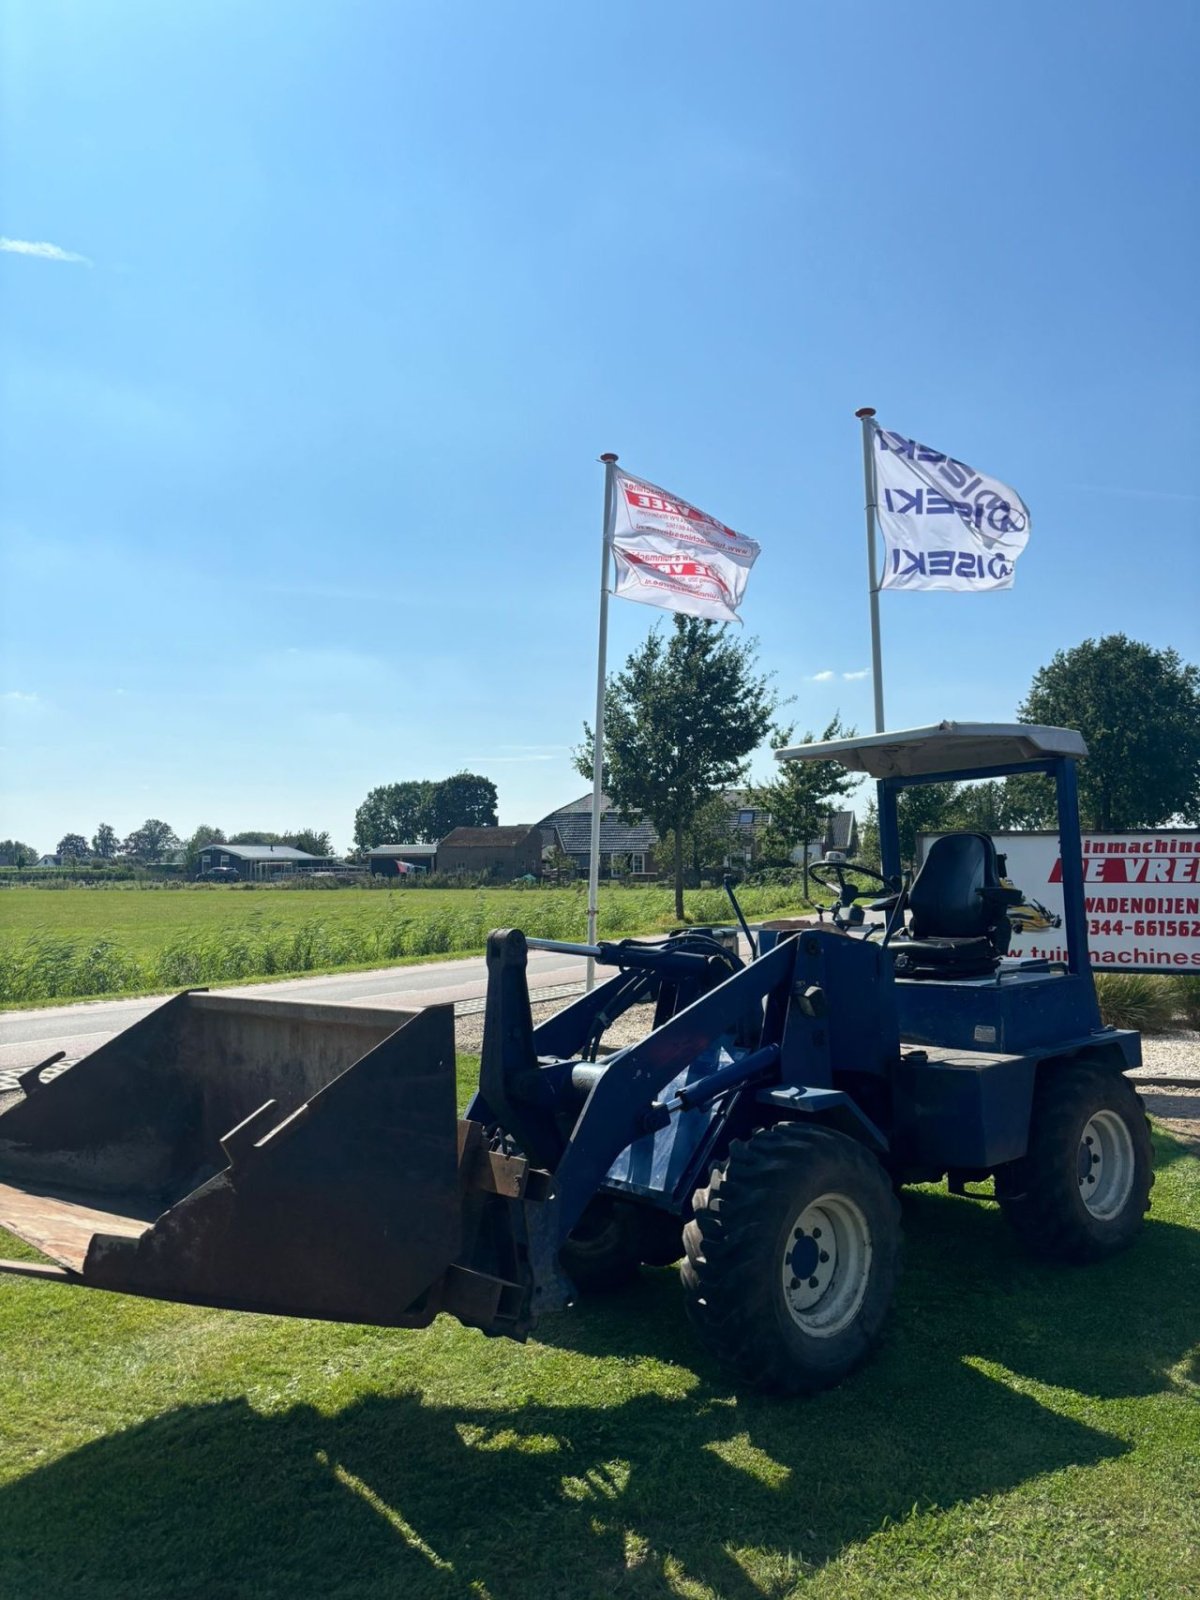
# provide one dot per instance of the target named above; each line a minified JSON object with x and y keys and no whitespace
{"x":27,"y":1037}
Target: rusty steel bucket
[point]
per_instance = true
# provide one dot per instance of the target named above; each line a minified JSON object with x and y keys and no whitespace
{"x":259,"y":1154}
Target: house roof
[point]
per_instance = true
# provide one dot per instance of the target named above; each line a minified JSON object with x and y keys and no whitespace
{"x":580,"y":807}
{"x":839,"y":833}
{"x":390,"y":851}
{"x":262,"y":852}
{"x":575,"y":832}
{"x":497,"y":838}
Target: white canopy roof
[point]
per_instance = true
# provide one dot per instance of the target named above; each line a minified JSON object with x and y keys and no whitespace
{"x":948,"y":747}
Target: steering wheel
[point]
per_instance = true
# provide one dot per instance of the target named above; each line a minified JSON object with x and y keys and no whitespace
{"x":848,"y":893}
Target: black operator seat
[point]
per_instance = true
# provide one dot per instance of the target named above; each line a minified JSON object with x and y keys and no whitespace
{"x":959,"y":924}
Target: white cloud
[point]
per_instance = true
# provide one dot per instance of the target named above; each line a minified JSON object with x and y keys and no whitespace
{"x":853,"y":677}
{"x":823,"y":677}
{"x":18,"y":697}
{"x":482,"y":760}
{"x":41,"y":250}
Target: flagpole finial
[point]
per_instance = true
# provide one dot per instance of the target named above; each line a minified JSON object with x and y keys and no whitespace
{"x":865,"y":411}
{"x":609,"y":455}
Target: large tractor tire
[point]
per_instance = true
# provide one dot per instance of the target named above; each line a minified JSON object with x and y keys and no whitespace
{"x":613,"y":1238}
{"x":1081,"y":1189}
{"x":604,"y":1250}
{"x":792,"y":1258}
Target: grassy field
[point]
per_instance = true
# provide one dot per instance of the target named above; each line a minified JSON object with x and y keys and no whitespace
{"x":1025,"y":1432}
{"x":80,"y":943}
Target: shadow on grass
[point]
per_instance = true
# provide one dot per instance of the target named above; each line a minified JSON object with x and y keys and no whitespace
{"x":401,"y":1495}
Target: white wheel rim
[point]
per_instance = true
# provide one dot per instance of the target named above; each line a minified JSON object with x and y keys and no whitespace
{"x":826,"y":1265}
{"x":1105,"y":1165}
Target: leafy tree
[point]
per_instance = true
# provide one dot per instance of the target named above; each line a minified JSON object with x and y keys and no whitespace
{"x":317,"y":844}
{"x":681,"y":721}
{"x":150,"y":842}
{"x":72,"y":847}
{"x":712,"y":837}
{"x":464,"y":800}
{"x":803,"y":794}
{"x":15,"y":854}
{"x":926,"y":808}
{"x":253,"y":836}
{"x":204,"y":835}
{"x":420,"y":811}
{"x":1139,"y":710}
{"x":104,"y":842}
{"x":395,"y":813}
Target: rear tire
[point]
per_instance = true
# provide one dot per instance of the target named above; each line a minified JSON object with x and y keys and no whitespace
{"x":1083,"y":1186}
{"x":792,"y":1258}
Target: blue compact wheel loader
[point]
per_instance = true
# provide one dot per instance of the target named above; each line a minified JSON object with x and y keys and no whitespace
{"x":306,"y":1159}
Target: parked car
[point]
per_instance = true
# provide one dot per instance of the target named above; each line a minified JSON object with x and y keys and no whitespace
{"x":219,"y":875}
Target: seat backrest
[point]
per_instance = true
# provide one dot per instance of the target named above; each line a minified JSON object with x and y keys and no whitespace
{"x":950,"y":896}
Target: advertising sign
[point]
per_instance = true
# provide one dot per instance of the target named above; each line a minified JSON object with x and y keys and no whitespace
{"x":1141,"y":897}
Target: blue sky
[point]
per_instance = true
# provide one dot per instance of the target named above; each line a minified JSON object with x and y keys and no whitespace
{"x":299,"y":490}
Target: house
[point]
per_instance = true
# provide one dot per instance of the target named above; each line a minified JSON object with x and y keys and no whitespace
{"x":569,"y":829}
{"x":48,"y":861}
{"x":259,"y":860}
{"x":402,"y":860}
{"x":501,"y":853}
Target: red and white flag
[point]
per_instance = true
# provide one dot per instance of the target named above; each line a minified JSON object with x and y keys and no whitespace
{"x":672,"y":555}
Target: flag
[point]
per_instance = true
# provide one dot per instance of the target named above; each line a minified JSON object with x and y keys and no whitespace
{"x":670,"y":554}
{"x":945,"y":526}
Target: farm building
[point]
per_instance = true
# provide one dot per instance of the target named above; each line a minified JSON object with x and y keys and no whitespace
{"x":631,"y":843}
{"x":502,"y":853}
{"x":400,"y":860}
{"x":259,"y":860}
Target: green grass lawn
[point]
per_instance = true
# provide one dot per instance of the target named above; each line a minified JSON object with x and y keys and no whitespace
{"x":80,"y":943}
{"x":1025,"y":1431}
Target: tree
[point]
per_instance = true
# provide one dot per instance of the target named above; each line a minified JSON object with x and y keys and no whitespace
{"x":72,"y":847}
{"x":1139,"y":710}
{"x":395,"y":813}
{"x":15,"y":854}
{"x":253,"y":836}
{"x":925,"y":808}
{"x":803,"y":794}
{"x":712,"y":837}
{"x":420,"y":811}
{"x":317,"y":844}
{"x":204,"y":835}
{"x":681,"y":721}
{"x":464,"y":800}
{"x":104,"y":842}
{"x":150,"y":842}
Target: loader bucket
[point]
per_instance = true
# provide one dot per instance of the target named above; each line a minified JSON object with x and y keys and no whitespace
{"x":259,"y":1154}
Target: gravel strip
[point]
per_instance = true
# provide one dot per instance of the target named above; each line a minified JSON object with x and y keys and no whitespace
{"x":1172,"y":1055}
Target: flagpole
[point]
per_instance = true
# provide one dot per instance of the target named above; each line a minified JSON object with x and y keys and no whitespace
{"x":865,"y":414}
{"x":593,"y":906}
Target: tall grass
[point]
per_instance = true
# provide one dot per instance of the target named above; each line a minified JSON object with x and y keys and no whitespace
{"x":1138,"y":1000}
{"x":57,"y":965}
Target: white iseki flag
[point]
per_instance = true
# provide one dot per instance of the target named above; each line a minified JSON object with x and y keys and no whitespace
{"x":945,"y":526}
{"x":672,"y":555}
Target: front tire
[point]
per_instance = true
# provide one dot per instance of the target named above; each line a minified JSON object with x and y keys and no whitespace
{"x":792,"y":1258}
{"x":1081,"y":1189}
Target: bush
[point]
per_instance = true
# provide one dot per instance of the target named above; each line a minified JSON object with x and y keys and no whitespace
{"x":1136,"y":1000}
{"x":1186,"y":994}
